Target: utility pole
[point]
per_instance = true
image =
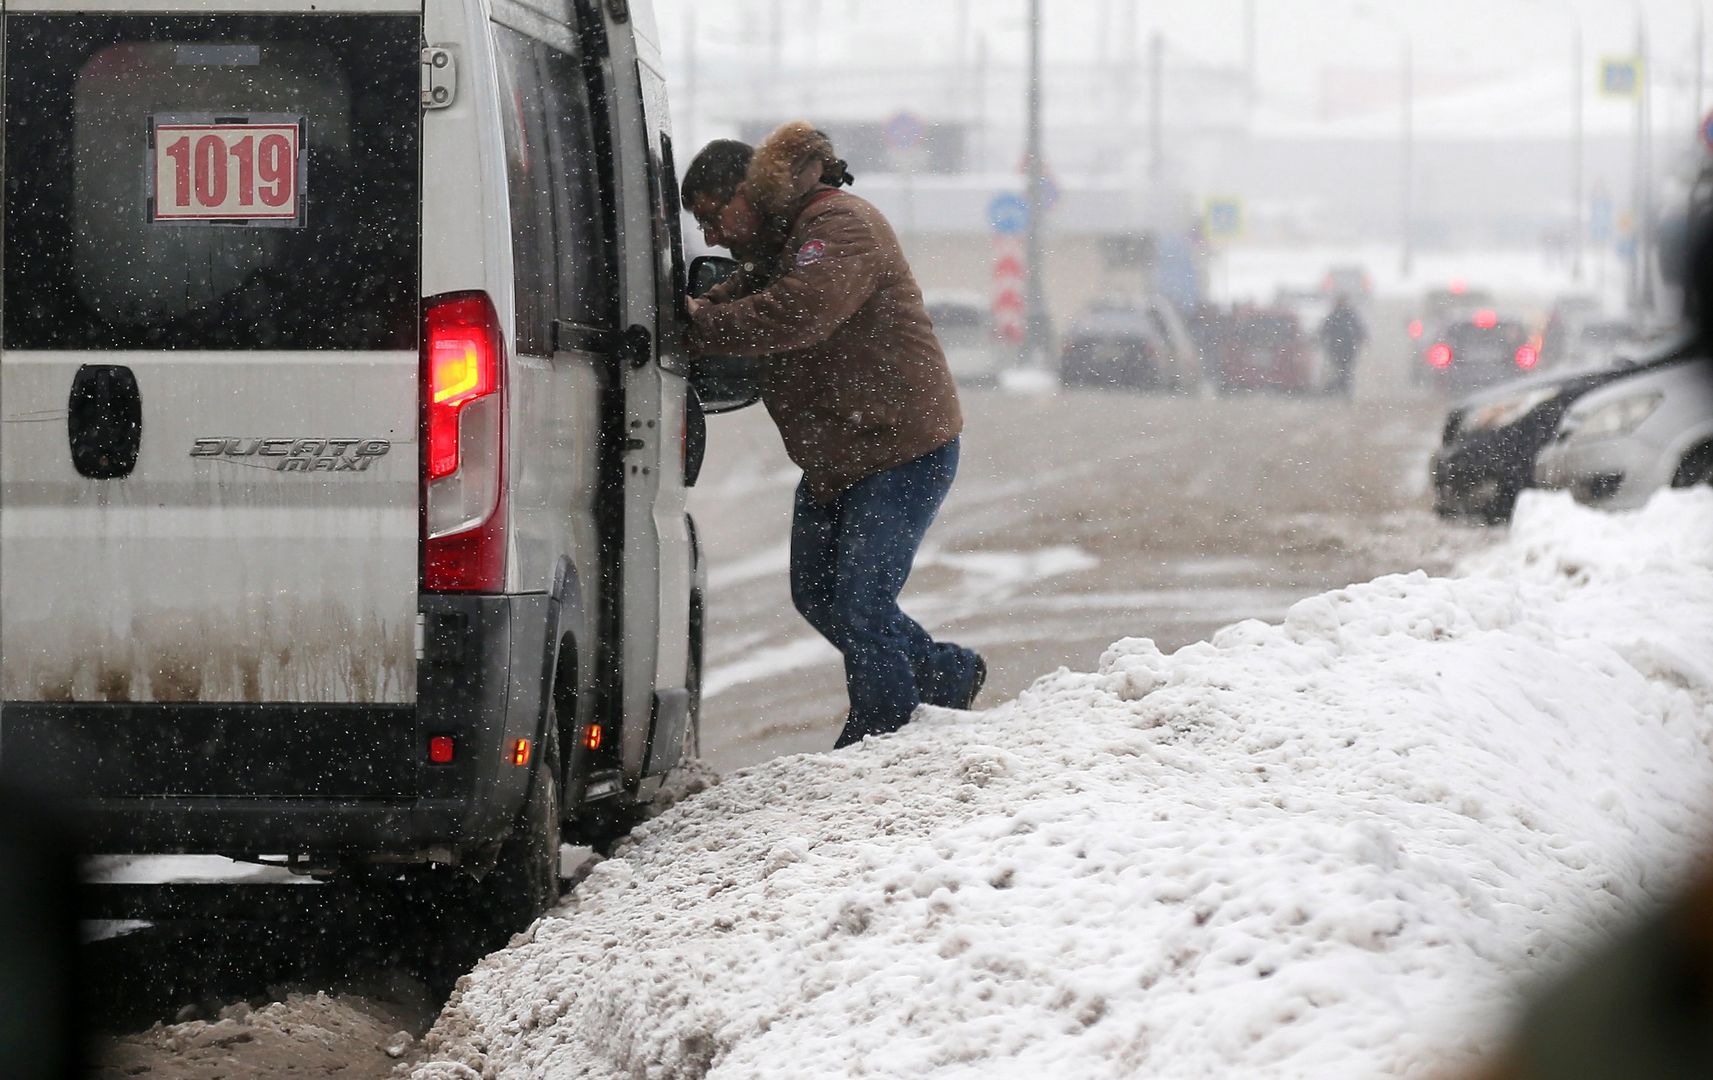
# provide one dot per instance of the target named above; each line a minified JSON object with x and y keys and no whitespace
{"x":1638,"y":174}
{"x":1645,"y":223}
{"x":978,"y":158}
{"x":776,"y":57}
{"x":1700,"y":62}
{"x":1036,"y":333}
{"x":690,"y":75}
{"x":1156,"y":111}
{"x":1251,"y":74}
{"x":1406,"y":257}
{"x":1578,"y":197}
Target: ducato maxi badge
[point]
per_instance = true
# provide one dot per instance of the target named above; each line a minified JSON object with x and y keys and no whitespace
{"x":294,"y":455}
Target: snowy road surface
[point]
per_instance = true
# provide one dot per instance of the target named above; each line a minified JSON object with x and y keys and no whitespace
{"x":1076,"y":521}
{"x":1323,"y":847}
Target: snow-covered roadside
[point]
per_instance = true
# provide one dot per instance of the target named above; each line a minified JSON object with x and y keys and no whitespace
{"x":1320,"y":848}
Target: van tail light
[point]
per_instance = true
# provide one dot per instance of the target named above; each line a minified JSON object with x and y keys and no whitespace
{"x":1527,"y":356}
{"x":1416,"y":329}
{"x":463,"y":467}
{"x":1439,"y":355}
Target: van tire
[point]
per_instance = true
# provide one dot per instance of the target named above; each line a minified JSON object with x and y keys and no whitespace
{"x":525,"y":879}
{"x":1696,"y":468}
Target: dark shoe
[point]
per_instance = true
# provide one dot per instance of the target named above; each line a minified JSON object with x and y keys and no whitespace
{"x":976,"y":682}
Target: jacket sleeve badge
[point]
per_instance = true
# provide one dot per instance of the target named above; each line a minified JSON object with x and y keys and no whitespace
{"x":811,"y":252}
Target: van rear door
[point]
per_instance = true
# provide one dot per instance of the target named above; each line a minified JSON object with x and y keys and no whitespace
{"x":209,"y":376}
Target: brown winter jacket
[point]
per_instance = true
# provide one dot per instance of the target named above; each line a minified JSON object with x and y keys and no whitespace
{"x":856,"y":380}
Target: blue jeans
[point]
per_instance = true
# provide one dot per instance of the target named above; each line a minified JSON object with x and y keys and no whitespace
{"x":850,"y":559}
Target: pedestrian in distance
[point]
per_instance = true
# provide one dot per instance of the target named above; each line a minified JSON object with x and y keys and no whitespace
{"x":858,"y":386}
{"x":1342,"y":335}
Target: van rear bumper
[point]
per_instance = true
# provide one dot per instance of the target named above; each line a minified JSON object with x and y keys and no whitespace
{"x":243,"y":827}
{"x":347,"y":781}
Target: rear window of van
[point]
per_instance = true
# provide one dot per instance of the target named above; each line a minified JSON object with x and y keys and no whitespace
{"x":228,"y":182}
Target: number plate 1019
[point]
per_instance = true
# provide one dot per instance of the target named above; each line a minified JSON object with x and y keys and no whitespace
{"x":236,"y":172}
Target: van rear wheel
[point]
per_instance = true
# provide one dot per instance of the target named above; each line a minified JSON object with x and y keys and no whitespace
{"x":525,"y":880}
{"x":462,"y":918}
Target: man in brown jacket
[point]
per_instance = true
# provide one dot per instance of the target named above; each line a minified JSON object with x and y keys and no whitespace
{"x":864,"y":402}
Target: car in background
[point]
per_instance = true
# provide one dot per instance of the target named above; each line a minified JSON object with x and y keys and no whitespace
{"x":1578,"y":332}
{"x":1483,"y":349}
{"x":963,"y":322}
{"x":1440,"y":308}
{"x":1265,"y":349}
{"x":1649,"y":430}
{"x":1137,"y":343}
{"x":1488,"y":446}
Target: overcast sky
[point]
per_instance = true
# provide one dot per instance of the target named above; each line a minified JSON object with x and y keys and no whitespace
{"x":1297,"y":41}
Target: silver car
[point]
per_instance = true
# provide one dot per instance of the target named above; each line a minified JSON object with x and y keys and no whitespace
{"x":1621,"y":443}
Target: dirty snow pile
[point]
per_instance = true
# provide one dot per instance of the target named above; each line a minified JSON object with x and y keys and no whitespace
{"x":1324,"y":848}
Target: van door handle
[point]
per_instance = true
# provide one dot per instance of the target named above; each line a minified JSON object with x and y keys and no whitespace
{"x":633,"y":345}
{"x":104,"y":421}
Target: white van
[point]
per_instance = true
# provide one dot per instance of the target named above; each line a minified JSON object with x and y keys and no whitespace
{"x":344,"y":430}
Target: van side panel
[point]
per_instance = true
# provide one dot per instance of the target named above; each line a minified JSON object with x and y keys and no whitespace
{"x":240,"y":576}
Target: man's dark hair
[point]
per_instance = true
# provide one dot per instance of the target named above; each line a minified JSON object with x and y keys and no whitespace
{"x":717,"y":170}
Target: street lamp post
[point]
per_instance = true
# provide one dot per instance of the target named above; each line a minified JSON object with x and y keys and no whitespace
{"x":1035,"y":329}
{"x":1406,"y":256}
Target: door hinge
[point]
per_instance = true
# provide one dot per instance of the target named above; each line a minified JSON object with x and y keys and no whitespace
{"x":439,"y":77}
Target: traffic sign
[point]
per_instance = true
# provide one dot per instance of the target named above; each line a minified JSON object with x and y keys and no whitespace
{"x":1008,"y":288}
{"x":903,"y":131}
{"x":1223,"y":216}
{"x":1620,"y":76}
{"x":1008,"y":213}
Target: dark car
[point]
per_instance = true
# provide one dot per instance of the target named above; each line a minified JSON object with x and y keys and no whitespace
{"x":1487,"y":452}
{"x":1133,"y":343}
{"x":1265,"y":349}
{"x":1484,"y":349}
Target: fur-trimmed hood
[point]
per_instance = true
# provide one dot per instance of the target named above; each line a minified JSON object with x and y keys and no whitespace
{"x":783,"y":169}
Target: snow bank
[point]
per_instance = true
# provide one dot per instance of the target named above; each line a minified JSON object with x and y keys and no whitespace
{"x":1321,"y":848}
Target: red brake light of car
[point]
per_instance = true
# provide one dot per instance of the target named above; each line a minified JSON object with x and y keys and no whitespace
{"x":1486,"y":318}
{"x":1439,"y":355}
{"x":440,"y":749}
{"x":1527,"y":356}
{"x":1457,"y":287}
{"x":1417,"y":329}
{"x":461,"y":345}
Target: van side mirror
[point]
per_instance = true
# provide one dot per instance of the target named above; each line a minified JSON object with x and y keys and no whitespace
{"x":706,"y":271}
{"x":723,"y":384}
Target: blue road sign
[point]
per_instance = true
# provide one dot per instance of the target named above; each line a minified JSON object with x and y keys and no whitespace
{"x":1224,"y":218}
{"x":1620,"y":76}
{"x":1008,"y":213}
{"x":903,"y":132}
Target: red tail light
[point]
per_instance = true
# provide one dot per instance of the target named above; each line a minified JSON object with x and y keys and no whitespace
{"x":463,"y":359}
{"x":1527,"y":356}
{"x":1416,"y":329}
{"x":1486,"y":318}
{"x":1439,"y":355}
{"x":461,"y":348}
